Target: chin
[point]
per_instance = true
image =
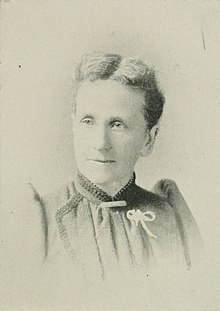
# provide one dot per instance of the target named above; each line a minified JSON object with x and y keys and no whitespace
{"x":99,"y":177}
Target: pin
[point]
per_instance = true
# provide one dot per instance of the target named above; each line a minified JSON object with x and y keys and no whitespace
{"x":113,"y":204}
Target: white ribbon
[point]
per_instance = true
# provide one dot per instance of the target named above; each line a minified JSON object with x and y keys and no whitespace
{"x":138,"y":216}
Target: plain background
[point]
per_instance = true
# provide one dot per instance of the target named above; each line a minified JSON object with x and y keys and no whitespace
{"x":40,"y":42}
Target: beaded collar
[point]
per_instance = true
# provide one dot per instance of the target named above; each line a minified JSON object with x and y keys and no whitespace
{"x":100,"y":194}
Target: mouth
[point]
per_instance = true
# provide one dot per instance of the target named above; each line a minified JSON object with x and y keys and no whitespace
{"x":102,"y":161}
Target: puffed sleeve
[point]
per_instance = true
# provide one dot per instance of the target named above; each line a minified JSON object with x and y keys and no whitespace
{"x":188,"y":229}
{"x":24,"y":227}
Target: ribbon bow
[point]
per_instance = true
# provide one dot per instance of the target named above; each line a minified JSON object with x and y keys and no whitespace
{"x":138,"y":216}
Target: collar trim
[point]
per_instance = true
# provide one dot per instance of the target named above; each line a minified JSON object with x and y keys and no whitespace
{"x":100,"y":194}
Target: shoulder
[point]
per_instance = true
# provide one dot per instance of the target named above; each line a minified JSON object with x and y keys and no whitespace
{"x":166,"y":201}
{"x":165,"y":195}
{"x":61,"y":194}
{"x":29,"y":218}
{"x":149,"y":199}
{"x":33,"y":217}
{"x":30,"y":202}
{"x":169,"y":191}
{"x":166,"y":188}
{"x":55,"y":199}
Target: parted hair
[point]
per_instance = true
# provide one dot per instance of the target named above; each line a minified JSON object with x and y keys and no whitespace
{"x":129,"y":71}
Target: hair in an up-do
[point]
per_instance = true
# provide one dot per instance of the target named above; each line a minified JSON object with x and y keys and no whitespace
{"x":129,"y":71}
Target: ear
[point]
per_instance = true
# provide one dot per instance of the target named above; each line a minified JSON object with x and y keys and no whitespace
{"x":149,"y":141}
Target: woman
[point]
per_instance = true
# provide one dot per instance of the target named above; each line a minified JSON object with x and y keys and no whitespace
{"x":103,"y":225}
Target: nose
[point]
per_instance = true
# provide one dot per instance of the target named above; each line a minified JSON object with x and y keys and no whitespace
{"x":102,"y":139}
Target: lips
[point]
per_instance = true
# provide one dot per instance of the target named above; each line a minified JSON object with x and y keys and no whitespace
{"x":102,"y":161}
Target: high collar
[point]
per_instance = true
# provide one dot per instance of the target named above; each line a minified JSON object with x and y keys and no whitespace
{"x":96,"y":195}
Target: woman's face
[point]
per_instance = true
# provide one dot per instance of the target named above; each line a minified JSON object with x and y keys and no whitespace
{"x":109,"y":131}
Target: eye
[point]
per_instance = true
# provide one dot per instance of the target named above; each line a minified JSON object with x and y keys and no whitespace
{"x":117,"y":125}
{"x":87,"y":121}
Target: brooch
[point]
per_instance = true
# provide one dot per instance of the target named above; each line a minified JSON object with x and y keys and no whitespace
{"x":138,"y":216}
{"x":113,"y":204}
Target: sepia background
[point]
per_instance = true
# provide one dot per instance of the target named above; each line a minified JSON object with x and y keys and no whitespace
{"x":40,"y":42}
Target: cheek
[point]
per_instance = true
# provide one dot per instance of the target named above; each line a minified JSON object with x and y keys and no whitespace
{"x":81,"y":139}
{"x":129,"y":149}
{"x":80,"y":146}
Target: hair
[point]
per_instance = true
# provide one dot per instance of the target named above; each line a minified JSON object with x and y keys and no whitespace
{"x":128,"y":71}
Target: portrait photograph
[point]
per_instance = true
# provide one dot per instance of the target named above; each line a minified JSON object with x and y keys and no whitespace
{"x":110,"y":171}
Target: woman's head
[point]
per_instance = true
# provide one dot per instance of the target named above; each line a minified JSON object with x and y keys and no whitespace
{"x":116,"y":112}
{"x":128,"y":71}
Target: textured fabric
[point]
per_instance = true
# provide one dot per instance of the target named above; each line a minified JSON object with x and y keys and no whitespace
{"x":98,"y":242}
{"x":67,"y":250}
{"x":82,"y":253}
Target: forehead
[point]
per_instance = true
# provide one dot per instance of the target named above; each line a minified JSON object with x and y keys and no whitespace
{"x":109,"y":97}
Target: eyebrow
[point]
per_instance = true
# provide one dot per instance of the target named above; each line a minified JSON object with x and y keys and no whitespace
{"x":87,"y":116}
{"x":114,"y":119}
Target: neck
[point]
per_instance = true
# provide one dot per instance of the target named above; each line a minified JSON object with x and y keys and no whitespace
{"x":113,"y":188}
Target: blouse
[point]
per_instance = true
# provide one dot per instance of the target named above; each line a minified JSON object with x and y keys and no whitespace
{"x":82,"y":234}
